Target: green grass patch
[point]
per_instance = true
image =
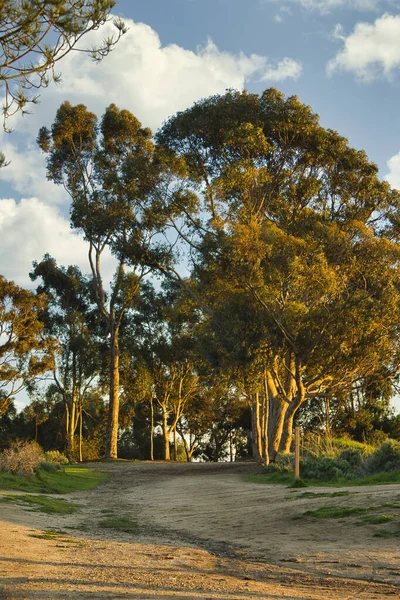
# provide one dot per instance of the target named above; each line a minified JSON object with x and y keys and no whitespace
{"x":386,"y":534}
{"x":386,"y":477}
{"x":377,"y":519}
{"x":42,"y":503}
{"x":120,"y":523}
{"x":336,"y":512}
{"x":391,"y":505}
{"x":48,"y":534}
{"x":324,"y":494}
{"x":60,"y":482}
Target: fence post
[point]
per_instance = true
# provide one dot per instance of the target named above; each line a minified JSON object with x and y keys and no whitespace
{"x":297,"y":453}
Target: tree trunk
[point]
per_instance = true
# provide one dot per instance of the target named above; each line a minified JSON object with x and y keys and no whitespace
{"x":175,"y":445}
{"x":265,"y":423}
{"x":278,"y":409}
{"x":151,"y":429}
{"x":256,"y":428}
{"x":287,"y":431}
{"x":113,"y":409}
{"x":166,"y":433}
{"x":80,"y":433}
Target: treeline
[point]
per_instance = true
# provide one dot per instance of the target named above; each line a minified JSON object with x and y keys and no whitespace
{"x":256,"y":285}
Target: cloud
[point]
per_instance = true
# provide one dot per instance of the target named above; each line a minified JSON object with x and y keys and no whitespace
{"x":393,"y":177}
{"x":26,"y":173}
{"x":29,"y":229}
{"x":327,"y":6}
{"x":142,"y":75}
{"x":149,"y":79}
{"x":285,"y":69}
{"x":371,"y":50}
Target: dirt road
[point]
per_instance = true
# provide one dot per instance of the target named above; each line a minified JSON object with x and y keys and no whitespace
{"x":203,"y":532}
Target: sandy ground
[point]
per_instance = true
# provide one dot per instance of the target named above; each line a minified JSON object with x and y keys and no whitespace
{"x":203,"y":533}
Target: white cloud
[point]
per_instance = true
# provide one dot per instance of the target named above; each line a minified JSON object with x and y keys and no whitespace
{"x":28,"y":230}
{"x":149,"y":79}
{"x":371,"y":50}
{"x":326,"y":6}
{"x":285,"y":69}
{"x":142,"y":75}
{"x":393,"y":177}
{"x":26,"y":172}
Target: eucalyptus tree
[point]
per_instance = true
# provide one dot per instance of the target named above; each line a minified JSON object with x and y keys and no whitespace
{"x":69,"y":317}
{"x":162,"y":339}
{"x":290,"y":227}
{"x":118,"y":183}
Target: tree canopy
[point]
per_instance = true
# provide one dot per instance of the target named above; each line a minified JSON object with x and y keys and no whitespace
{"x":25,"y":353}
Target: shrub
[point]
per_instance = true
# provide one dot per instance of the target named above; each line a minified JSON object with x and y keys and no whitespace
{"x":54,"y":456}
{"x":325,"y":469}
{"x":49,"y":467}
{"x":354,"y":456}
{"x":92,"y":448}
{"x":23,"y":458}
{"x":284,"y":463}
{"x":386,"y":458}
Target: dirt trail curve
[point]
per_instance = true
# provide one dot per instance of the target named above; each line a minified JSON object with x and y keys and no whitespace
{"x":203,"y":533}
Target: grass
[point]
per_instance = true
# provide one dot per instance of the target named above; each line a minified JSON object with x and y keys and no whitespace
{"x":336,"y":512}
{"x":386,"y":534}
{"x":120,"y":523}
{"x":59,"y":482}
{"x":323,"y":494}
{"x":386,"y":477}
{"x":42,"y":503}
{"x":378,"y":519}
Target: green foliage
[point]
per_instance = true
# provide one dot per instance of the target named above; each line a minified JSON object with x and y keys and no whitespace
{"x":23,"y":458}
{"x":325,"y":469}
{"x":55,"y":456}
{"x":49,"y":467}
{"x":386,"y":458}
{"x":24,"y":352}
{"x":284,"y":463}
{"x":42,"y":503}
{"x":299,"y":483}
{"x":47,"y":30}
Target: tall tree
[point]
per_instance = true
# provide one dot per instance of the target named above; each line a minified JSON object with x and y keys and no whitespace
{"x":291,"y":226}
{"x":119,"y":185}
{"x":69,"y":317}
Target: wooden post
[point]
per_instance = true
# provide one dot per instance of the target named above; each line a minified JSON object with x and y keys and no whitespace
{"x":297,"y":453}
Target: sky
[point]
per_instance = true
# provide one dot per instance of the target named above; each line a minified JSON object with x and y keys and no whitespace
{"x":342,"y":57}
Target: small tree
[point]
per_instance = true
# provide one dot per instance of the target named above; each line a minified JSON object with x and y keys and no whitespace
{"x":25,"y":352}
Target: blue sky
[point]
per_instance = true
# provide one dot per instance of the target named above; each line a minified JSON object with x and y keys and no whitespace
{"x":342,"y":57}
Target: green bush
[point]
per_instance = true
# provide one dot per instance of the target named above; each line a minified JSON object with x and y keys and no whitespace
{"x":386,"y":458}
{"x":54,"y":456}
{"x":325,"y":469}
{"x":354,"y":456}
{"x":284,"y":463}
{"x":50,"y":467}
{"x":22,"y":458}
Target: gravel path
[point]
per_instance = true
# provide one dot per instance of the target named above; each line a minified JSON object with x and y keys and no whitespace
{"x":202,"y":533}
